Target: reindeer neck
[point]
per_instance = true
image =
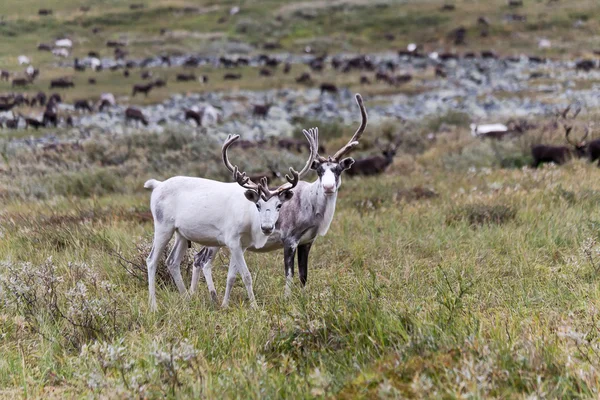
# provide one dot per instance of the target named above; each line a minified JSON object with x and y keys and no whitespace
{"x":324,"y":206}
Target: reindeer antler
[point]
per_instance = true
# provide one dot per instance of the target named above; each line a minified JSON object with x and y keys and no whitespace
{"x":565,"y":113}
{"x":239,"y":177}
{"x":354,"y":140}
{"x":569,"y":129}
{"x":312,"y":135}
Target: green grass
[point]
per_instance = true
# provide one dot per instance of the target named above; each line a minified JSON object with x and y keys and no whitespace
{"x":483,"y":289}
{"x":458,"y":273}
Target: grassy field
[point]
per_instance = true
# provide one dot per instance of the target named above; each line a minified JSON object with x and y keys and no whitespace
{"x":447,"y":277}
{"x":458,"y":273}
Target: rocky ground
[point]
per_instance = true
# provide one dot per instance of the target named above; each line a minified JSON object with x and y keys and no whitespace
{"x":489,"y":90}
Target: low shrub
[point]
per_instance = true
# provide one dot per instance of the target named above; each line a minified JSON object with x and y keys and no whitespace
{"x":481,"y":214}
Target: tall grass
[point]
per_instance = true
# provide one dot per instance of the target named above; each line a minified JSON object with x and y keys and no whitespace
{"x":440,"y":282}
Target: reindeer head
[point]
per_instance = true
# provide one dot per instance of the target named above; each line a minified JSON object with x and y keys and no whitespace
{"x":580,"y":146}
{"x":389,"y":151}
{"x":268,"y":202}
{"x":567,"y":116}
{"x":329,"y":170}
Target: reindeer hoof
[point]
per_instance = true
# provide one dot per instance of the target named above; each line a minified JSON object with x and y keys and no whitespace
{"x":213,"y":297}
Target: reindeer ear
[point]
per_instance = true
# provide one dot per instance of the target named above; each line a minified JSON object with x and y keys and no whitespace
{"x":315,"y":165}
{"x":285,"y":195}
{"x":346,"y":163}
{"x":252,"y":195}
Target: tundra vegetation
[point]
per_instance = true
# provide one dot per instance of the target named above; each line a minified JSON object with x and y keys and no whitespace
{"x":458,"y":272}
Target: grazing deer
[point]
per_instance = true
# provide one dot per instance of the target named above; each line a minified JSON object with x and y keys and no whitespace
{"x":7,"y":106}
{"x":141,"y":88}
{"x":13,"y":123}
{"x":20,"y":82}
{"x":301,"y":220}
{"x":328,"y":87}
{"x":194,"y":115}
{"x":374,"y":165}
{"x":270,"y":176}
{"x":261,"y":110}
{"x":160,"y":83}
{"x":232,"y":77}
{"x":494,"y":131}
{"x":50,"y":114}
{"x":61,"y":83}
{"x":82,"y":105}
{"x":36,"y":124}
{"x":135,"y":114}
{"x":585,"y":65}
{"x":304,"y":78}
{"x":559,"y":154}
{"x":215,"y":214}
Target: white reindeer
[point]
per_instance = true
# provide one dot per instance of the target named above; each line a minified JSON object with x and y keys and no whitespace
{"x":491,"y":130}
{"x":301,"y":220}
{"x":214,"y":214}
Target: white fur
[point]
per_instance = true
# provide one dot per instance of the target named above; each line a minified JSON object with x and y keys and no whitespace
{"x":328,"y":180}
{"x":478,"y":130}
{"x":68,"y":43}
{"x":61,"y":52}
{"x":211,"y":116}
{"x":210,"y":213}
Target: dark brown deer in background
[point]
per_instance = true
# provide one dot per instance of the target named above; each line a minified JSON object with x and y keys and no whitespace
{"x":329,"y":88}
{"x":61,"y":83}
{"x":142,"y":88}
{"x":270,"y":176}
{"x":261,"y":110}
{"x":134,"y":114}
{"x":304,"y":78}
{"x":232,"y":77}
{"x":36,"y":124}
{"x":185,"y":77}
{"x":20,"y":82}
{"x":82,"y":105}
{"x":559,"y":154}
{"x":374,"y":165}
{"x":7,"y":106}
{"x":194,"y":115}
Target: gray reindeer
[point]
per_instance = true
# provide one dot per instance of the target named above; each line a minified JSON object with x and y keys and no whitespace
{"x":307,"y":215}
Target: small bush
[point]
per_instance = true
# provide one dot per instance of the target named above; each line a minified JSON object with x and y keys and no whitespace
{"x":455,"y":118}
{"x":88,"y":184}
{"x":136,"y":266}
{"x":415,"y":193}
{"x":69,"y":308}
{"x":481,"y":214}
{"x":327,"y":130}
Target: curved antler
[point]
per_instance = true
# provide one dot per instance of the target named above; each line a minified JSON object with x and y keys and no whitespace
{"x":354,"y":141}
{"x":569,"y":128}
{"x":239,"y":177}
{"x":312,"y":135}
{"x":565,"y":113}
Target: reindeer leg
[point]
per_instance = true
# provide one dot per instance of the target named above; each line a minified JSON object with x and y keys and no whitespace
{"x":303,"y":251}
{"x":203,"y":261}
{"x":161,"y":239}
{"x":174,"y":262}
{"x":245,"y":273}
{"x":289,"y":251}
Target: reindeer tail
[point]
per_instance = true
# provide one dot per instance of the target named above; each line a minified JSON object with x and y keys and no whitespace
{"x":151,"y":184}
